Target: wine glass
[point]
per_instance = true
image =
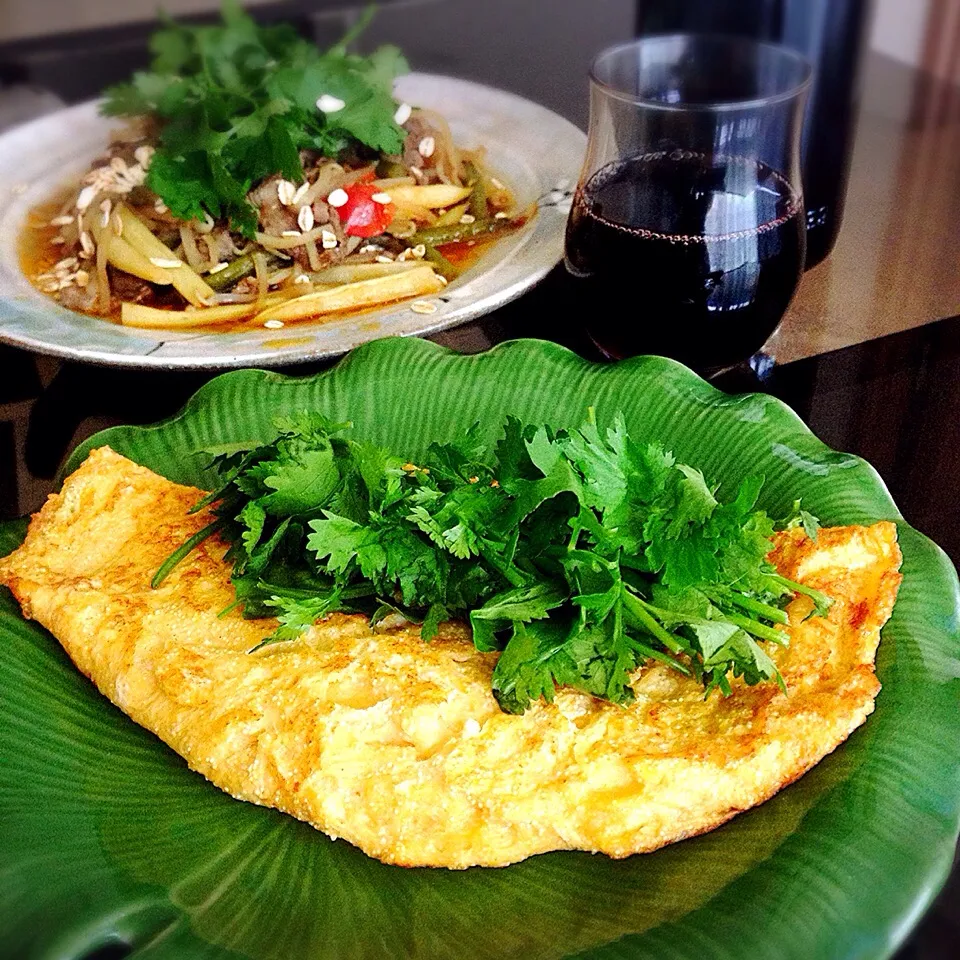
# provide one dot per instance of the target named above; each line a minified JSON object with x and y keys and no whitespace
{"x":687,"y":234}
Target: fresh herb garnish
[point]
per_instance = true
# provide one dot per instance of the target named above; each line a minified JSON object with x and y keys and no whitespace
{"x":237,"y":101}
{"x":579,"y":554}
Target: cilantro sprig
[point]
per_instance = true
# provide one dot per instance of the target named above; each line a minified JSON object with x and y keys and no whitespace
{"x":236,"y":102}
{"x":579,"y":554}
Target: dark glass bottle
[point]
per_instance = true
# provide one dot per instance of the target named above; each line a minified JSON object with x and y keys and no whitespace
{"x":832,"y":34}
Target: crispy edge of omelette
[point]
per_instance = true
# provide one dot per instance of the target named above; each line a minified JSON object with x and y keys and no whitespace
{"x":117,"y":520}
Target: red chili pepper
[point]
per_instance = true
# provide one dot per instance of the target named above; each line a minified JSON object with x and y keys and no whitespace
{"x":361,"y":215}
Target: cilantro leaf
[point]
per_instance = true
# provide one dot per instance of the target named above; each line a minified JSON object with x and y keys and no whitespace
{"x":235,"y":102}
{"x":579,"y":555}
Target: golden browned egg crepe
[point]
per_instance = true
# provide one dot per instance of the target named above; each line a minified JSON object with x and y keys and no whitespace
{"x":399,"y":746}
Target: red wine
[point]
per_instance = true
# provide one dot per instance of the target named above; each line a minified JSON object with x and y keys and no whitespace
{"x":691,"y":257}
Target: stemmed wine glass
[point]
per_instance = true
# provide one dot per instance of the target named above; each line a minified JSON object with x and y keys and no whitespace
{"x":687,"y":233}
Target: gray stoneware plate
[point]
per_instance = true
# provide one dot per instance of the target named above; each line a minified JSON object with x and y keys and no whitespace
{"x":535,"y":151}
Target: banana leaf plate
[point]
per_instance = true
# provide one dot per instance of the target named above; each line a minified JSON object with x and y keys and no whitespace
{"x":109,"y":843}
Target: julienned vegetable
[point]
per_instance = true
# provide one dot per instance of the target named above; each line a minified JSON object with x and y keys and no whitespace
{"x":579,"y":554}
{"x":253,"y":164}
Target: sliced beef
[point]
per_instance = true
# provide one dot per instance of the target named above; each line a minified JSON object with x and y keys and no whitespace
{"x":81,"y":299}
{"x":417,"y":129}
{"x":275,"y":218}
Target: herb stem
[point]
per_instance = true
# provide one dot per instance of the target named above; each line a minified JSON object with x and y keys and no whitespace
{"x":757,"y":629}
{"x":648,"y":651}
{"x":183,"y":550}
{"x":821,"y":599}
{"x":765,"y":610}
{"x":637,"y":609}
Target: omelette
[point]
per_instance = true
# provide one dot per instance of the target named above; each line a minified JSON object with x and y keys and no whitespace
{"x":399,"y":746}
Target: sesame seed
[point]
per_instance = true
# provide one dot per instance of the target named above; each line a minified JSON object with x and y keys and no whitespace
{"x":217,"y":267}
{"x":85,"y":197}
{"x":468,"y":218}
{"x":160,"y":206}
{"x":302,"y":278}
{"x":499,"y":215}
{"x":443,"y":280}
{"x":403,"y":114}
{"x":337,"y":197}
{"x":105,"y":207}
{"x":417,"y":172}
{"x":273,"y":324}
{"x":144,"y":155}
{"x":301,"y":193}
{"x":65,"y":264}
{"x":426,"y":147}
{"x":423,"y":306}
{"x":82,"y":278}
{"x":383,"y":198}
{"x":117,"y":224}
{"x":285,"y":192}
{"x":330,"y":104}
{"x":135,"y":175}
{"x":384,"y":259}
{"x":496,"y":183}
{"x":290,"y":233}
{"x":329,"y":239}
{"x":420,"y":251}
{"x":86,"y":244}
{"x":169,"y":263}
{"x":370,"y":248}
{"x":471,"y":727}
{"x":118,"y":164}
{"x":63,"y":221}
{"x":305,"y":219}
{"x":58,"y":241}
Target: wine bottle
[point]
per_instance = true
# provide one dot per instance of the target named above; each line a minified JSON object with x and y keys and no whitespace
{"x":832,"y":34}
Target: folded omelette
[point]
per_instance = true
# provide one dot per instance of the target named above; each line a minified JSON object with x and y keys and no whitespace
{"x":399,"y":746}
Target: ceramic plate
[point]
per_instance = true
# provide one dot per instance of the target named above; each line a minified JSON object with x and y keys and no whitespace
{"x":535,"y":151}
{"x":108,"y":838}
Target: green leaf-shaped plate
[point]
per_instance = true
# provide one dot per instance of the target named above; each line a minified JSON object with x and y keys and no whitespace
{"x":107,"y":837}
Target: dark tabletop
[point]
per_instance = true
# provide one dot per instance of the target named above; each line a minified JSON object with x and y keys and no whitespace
{"x":894,"y":399}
